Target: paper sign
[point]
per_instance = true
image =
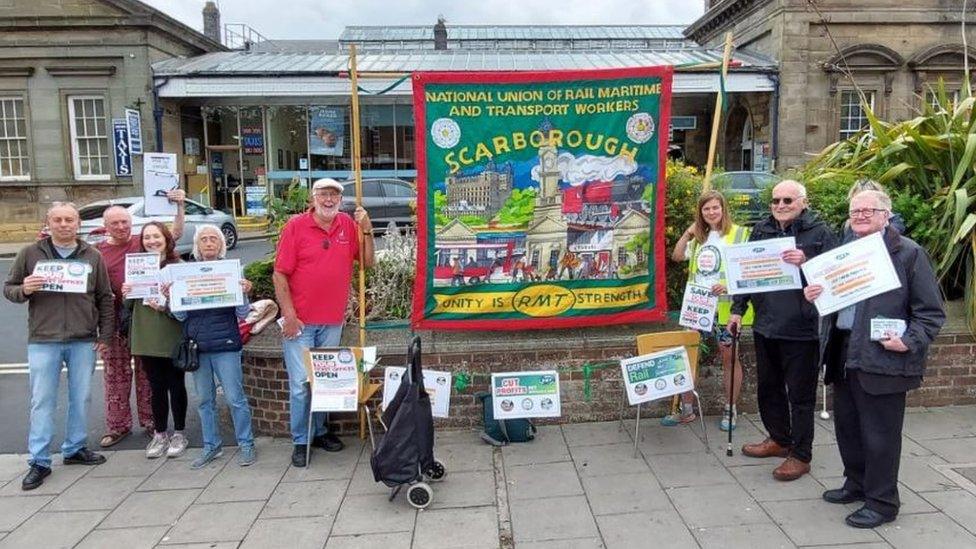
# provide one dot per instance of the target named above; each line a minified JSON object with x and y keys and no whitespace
{"x":142,"y":274}
{"x":134,"y":122}
{"x":437,"y":385}
{"x":526,"y":394}
{"x":69,"y":277}
{"x":698,"y":308}
{"x":205,"y":285}
{"x":852,"y":273}
{"x":335,"y":386}
{"x":159,"y":177}
{"x":757,"y":267}
{"x":657,"y":375}
{"x":886,"y":328}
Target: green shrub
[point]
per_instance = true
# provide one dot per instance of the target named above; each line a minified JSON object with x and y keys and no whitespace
{"x":259,"y":273}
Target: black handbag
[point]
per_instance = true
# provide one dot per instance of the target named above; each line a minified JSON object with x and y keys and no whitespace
{"x":186,"y":356}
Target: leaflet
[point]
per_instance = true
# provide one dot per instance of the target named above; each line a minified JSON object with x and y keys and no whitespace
{"x":205,"y":285}
{"x":852,"y":273}
{"x":142,"y":275}
{"x":757,"y":267}
{"x":698,"y":308}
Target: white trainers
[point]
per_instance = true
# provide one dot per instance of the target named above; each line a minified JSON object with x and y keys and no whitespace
{"x":157,"y":446}
{"x":177,"y":445}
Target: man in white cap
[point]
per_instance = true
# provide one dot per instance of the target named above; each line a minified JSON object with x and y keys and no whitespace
{"x":313,"y":270}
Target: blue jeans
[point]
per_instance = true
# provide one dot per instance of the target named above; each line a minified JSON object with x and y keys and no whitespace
{"x":227,"y":367}
{"x":313,"y":335}
{"x":44,"y":363}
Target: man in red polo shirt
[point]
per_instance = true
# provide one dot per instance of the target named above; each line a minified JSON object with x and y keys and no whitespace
{"x":118,"y":362}
{"x":313,"y":270}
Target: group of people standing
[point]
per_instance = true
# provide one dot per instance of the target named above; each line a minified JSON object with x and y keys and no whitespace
{"x":792,"y":341}
{"x":870,"y":378}
{"x":136,"y":339}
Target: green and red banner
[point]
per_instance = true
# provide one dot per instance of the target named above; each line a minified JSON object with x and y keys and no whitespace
{"x":540,"y":198}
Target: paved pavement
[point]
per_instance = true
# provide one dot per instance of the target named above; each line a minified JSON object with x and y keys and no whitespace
{"x":576,"y":486}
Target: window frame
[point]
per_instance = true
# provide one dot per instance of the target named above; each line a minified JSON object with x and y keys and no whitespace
{"x":845,"y":134}
{"x":73,"y":137}
{"x":4,"y":96}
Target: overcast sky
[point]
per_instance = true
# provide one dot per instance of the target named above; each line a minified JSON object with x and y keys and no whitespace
{"x":325,"y":19}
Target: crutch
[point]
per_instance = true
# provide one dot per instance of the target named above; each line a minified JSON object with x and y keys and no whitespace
{"x":731,"y":408}
{"x":823,"y":413}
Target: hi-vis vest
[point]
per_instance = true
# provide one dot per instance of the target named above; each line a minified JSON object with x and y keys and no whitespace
{"x":736,"y":235}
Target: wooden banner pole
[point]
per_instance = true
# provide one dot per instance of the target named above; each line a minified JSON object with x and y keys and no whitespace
{"x":717,"y":117}
{"x":358,"y":174}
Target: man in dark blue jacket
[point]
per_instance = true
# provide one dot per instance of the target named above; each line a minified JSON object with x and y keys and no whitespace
{"x":872,"y":372}
{"x":785,"y":331}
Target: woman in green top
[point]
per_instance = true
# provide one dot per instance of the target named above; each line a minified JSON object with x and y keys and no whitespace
{"x":153,"y":335}
{"x":701,"y":245}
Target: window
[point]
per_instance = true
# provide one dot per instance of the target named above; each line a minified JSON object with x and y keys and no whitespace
{"x":14,"y":153}
{"x":932,"y":98}
{"x":852,"y":115}
{"x":89,"y":137}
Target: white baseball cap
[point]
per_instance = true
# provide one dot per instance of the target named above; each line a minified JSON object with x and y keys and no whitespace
{"x":327,"y":183}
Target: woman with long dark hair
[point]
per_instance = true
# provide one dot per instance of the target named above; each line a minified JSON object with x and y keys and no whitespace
{"x":153,"y":335}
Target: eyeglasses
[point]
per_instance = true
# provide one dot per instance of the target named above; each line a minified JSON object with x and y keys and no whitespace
{"x":866,"y":213}
{"x":325,"y":244}
{"x":327,"y":194}
{"x":786,"y":200}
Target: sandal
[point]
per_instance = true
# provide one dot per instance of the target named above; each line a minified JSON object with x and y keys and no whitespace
{"x":111,"y":439}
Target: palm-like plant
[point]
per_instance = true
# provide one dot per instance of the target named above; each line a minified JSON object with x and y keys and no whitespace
{"x":929,"y":158}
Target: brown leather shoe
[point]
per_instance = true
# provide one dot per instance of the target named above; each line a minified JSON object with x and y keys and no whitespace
{"x":791,"y":469}
{"x":765,"y":449}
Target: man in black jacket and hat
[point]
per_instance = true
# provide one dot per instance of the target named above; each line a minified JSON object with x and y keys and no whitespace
{"x":871,"y":370}
{"x":785,"y":331}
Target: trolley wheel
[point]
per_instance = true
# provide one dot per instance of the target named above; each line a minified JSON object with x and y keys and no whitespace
{"x":420,"y":495}
{"x":437,"y":471}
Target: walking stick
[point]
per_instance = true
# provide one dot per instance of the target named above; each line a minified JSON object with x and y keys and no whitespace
{"x":735,"y":354}
{"x":824,"y":414}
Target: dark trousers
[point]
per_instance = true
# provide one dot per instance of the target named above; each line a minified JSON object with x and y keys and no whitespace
{"x":868,"y":430}
{"x":166,"y":382}
{"x":787,"y":374}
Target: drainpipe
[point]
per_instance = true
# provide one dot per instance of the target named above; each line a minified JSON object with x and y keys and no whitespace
{"x":774,"y":119}
{"x":158,"y":110}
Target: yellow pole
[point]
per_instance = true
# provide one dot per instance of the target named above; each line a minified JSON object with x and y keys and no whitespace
{"x":358,"y":174}
{"x":717,"y":117}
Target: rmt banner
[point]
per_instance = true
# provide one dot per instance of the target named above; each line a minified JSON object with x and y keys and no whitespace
{"x":540,"y":198}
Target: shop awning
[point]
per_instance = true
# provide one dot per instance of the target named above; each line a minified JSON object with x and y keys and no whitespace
{"x":288,"y":74}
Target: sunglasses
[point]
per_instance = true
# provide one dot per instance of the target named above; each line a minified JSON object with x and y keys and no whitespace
{"x":785,"y":200}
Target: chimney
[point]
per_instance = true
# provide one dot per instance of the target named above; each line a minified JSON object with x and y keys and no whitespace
{"x":211,"y":21}
{"x":440,"y":34}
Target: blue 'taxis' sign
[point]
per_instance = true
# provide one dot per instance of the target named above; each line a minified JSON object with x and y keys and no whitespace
{"x":123,"y":157}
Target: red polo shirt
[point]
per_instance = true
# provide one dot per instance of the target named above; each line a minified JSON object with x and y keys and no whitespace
{"x":114,"y":257}
{"x":318,"y":275}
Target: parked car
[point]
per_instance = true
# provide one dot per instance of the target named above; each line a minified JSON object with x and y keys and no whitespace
{"x":386,"y":200}
{"x":744,"y":193}
{"x":93,"y":231}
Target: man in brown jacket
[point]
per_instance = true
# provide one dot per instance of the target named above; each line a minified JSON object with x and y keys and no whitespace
{"x":70,"y":317}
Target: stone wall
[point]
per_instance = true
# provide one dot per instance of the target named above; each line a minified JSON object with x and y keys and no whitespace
{"x":951,"y":372}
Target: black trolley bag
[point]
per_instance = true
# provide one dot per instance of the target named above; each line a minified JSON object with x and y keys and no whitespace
{"x":405,"y":454}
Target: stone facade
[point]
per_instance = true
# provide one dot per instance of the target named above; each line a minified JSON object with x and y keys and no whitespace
{"x":588,"y":362}
{"x":894,"y":50}
{"x":54,"y":49}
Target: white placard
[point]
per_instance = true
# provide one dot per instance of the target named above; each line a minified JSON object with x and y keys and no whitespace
{"x":437,"y":384}
{"x":133,"y":119}
{"x":657,"y":375}
{"x":525,"y":394}
{"x":886,"y":328}
{"x":159,"y":176}
{"x":142,"y":275}
{"x":852,"y":273}
{"x":757,"y":267}
{"x":698,"y":308}
{"x":63,"y":276}
{"x":205,"y":285}
{"x":335,"y":385}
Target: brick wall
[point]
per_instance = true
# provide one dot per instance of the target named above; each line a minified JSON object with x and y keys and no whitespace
{"x":951,"y":373}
